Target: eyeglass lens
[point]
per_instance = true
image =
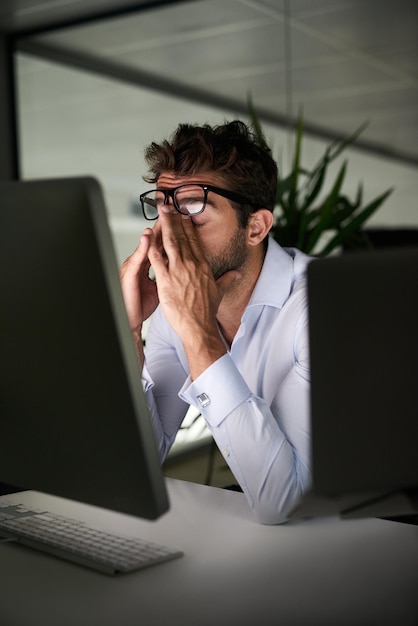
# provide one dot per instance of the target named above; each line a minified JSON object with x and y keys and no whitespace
{"x":188,"y":199}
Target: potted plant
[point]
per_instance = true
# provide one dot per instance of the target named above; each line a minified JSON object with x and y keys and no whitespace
{"x":303,"y":215}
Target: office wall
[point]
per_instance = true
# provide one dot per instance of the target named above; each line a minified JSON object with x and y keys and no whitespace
{"x":76,"y":123}
{"x":73,"y":122}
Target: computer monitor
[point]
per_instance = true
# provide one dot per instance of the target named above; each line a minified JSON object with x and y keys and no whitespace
{"x":73,"y":418}
{"x":363,"y":349}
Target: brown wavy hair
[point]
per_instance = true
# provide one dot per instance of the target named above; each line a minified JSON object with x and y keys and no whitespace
{"x":232,"y":150}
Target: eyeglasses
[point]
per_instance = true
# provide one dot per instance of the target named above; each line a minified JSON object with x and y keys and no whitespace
{"x":187,"y":199}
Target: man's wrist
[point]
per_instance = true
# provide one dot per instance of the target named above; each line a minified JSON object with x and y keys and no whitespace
{"x":202,"y":352}
{"x":139,"y":345}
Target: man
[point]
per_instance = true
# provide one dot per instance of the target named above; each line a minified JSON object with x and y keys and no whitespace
{"x":228,"y":333}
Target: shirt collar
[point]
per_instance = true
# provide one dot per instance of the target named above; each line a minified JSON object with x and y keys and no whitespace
{"x":277,"y":275}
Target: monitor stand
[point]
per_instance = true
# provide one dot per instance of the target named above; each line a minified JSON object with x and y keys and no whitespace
{"x":399,"y":506}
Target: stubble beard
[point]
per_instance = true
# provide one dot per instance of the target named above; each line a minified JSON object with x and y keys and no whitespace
{"x":232,"y":258}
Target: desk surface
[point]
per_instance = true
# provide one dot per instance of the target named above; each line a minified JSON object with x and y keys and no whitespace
{"x":234,"y":572}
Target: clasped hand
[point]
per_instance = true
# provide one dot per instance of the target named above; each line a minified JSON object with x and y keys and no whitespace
{"x":184,"y":283}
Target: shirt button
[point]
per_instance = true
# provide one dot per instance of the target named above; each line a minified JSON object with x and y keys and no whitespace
{"x":225,"y":452}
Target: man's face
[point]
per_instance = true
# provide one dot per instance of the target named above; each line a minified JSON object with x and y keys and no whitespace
{"x":223,"y":240}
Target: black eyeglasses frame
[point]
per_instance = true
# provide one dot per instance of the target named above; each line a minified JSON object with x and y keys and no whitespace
{"x":171,"y":193}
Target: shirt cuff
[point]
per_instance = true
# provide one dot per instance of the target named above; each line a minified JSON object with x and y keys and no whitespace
{"x":214,"y":400}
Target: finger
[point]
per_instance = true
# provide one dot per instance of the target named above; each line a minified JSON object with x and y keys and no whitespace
{"x":179,"y":237}
{"x":192,"y":237}
{"x":156,"y":229}
{"x":138,"y":258}
{"x":225,"y":282}
{"x":156,"y":253}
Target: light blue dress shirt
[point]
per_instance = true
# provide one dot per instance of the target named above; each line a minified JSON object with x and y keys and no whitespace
{"x":255,"y":399}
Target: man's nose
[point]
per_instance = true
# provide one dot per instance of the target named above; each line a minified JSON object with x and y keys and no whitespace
{"x":169,"y":202}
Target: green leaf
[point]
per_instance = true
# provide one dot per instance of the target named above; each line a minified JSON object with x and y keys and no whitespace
{"x":336,"y":148}
{"x":297,"y":221}
{"x":354,"y":226}
{"x":315,"y":184}
{"x":296,"y":160}
{"x":327,"y":209}
{"x":254,"y":120}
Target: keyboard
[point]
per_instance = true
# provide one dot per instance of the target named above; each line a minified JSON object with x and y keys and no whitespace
{"x":75,"y":541}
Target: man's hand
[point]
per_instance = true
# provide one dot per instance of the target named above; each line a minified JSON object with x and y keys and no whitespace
{"x":139,"y":290}
{"x":187,"y":290}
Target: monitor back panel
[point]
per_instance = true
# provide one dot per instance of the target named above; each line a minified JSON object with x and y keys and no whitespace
{"x":364,"y":355}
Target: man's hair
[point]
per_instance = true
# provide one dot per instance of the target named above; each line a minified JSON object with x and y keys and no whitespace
{"x":232,"y":150}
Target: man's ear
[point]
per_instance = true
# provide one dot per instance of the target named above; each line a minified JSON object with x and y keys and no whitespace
{"x":259,"y":224}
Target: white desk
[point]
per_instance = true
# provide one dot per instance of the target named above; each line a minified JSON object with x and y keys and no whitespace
{"x":234,"y":572}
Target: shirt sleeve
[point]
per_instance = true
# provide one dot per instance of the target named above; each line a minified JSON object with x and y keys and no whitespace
{"x":163,"y":375}
{"x":271,"y":467}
